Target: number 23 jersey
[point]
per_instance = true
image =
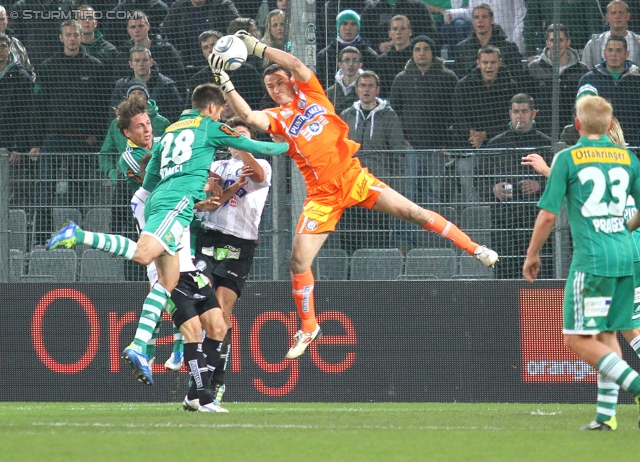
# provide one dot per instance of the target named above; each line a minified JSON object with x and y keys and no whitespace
{"x":595,"y":176}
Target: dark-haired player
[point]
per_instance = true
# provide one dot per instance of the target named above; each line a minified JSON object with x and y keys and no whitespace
{"x":335,"y":178}
{"x":176,"y":175}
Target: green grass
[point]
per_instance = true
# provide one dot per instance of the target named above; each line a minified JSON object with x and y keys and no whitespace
{"x":120,"y":432}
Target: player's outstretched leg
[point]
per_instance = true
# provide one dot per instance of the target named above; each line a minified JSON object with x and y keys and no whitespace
{"x":303,"y":295}
{"x":70,"y":234}
{"x":437,"y":223}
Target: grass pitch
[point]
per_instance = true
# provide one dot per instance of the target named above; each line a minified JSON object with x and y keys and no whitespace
{"x":121,"y":432}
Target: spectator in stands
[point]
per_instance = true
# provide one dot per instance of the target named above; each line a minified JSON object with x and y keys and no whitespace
{"x":162,"y":89}
{"x":92,"y":39}
{"x":115,"y":142}
{"x":541,"y":73}
{"x":378,"y":13}
{"x":422,"y":95}
{"x":116,"y":29}
{"x":166,"y":59}
{"x":16,"y":101}
{"x":480,"y":104}
{"x":269,"y":5}
{"x":343,"y":92}
{"x":17,"y":48}
{"x":187,"y":19}
{"x":618,"y":18}
{"x":274,"y":33}
{"x":513,"y":189}
{"x":376,"y":126}
{"x":508,"y":14}
{"x":38,"y":31}
{"x":247,"y":25}
{"x":486,"y":32}
{"x":389,"y":64}
{"x":247,"y":79}
{"x":348,"y":26}
{"x":454,"y":31}
{"x":582,"y":18}
{"x":618,"y":80}
{"x":72,"y":104}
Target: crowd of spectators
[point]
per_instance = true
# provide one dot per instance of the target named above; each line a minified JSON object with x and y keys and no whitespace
{"x":406,"y":75}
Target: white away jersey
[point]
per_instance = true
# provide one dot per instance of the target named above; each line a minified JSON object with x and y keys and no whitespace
{"x":240,"y":215}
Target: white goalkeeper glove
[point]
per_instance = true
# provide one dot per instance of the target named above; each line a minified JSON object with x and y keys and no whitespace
{"x":254,"y":46}
{"x":220,"y":77}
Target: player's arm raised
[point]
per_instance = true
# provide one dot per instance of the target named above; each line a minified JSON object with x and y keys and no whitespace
{"x":254,"y":47}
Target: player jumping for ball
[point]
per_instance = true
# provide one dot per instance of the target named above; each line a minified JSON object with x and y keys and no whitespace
{"x":335,"y":179}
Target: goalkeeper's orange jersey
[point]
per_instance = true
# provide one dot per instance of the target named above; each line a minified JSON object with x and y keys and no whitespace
{"x":318,"y":140}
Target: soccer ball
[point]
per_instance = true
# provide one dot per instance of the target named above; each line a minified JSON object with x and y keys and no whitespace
{"x":232,"y":50}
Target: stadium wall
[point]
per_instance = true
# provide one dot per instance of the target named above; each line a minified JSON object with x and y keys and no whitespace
{"x":404,"y":341}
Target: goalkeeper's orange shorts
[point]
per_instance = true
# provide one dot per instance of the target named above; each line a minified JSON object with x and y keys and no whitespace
{"x":326,"y":203}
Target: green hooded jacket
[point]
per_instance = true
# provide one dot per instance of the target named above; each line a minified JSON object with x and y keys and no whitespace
{"x":115,"y":143}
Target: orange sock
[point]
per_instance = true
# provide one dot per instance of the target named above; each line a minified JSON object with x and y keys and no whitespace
{"x":303,"y":296}
{"x":446,"y":229}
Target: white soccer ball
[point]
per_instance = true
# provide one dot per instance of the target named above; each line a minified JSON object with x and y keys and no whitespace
{"x":232,"y":50}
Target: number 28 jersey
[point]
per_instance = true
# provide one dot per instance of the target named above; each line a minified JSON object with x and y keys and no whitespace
{"x":183,"y":156}
{"x":595,"y":176}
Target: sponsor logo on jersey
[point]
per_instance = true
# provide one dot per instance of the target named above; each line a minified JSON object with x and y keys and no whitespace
{"x":602,"y":154}
{"x":186,"y":123}
{"x":300,"y":120}
{"x":315,"y":211}
{"x":229,"y":131}
{"x":286,"y":113}
{"x":302,"y":104}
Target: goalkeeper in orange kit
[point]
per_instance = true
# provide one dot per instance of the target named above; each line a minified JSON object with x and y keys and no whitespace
{"x":335,"y":179}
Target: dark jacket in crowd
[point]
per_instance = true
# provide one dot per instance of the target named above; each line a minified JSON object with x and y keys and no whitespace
{"x":166,"y":60}
{"x":465,"y":54}
{"x":185,"y":22}
{"x":623,"y":96}
{"x":582,"y":19}
{"x":541,"y":76}
{"x":246,"y":80}
{"x":327,"y":59}
{"x":424,"y":103}
{"x":390,"y":64}
{"x":73,"y":94}
{"x":377,"y":15}
{"x":103,"y":50}
{"x":39,"y":34}
{"x":513,"y":219}
{"x":342,"y":96}
{"x":482,"y":108}
{"x":162,"y":90}
{"x":16,"y":108}
{"x":116,"y":29}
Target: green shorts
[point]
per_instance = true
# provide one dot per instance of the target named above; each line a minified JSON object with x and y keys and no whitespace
{"x":167,"y":215}
{"x":594,"y":304}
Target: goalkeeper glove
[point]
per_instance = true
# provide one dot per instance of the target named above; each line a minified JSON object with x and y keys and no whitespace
{"x":254,"y":46}
{"x":220,"y":77}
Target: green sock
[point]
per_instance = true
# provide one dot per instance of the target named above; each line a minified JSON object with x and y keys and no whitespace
{"x":607,"y":399}
{"x":110,"y":243}
{"x":151,"y":313}
{"x":618,"y":371}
